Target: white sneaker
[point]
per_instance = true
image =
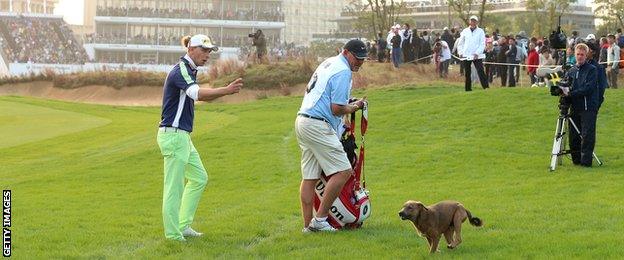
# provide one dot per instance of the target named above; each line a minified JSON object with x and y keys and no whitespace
{"x":316,"y":226}
{"x":306,"y":230}
{"x":189,"y":232}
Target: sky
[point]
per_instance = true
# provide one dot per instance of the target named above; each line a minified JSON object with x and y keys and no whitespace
{"x":71,"y":10}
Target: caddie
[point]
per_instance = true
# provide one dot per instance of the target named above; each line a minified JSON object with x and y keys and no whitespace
{"x":318,"y":126}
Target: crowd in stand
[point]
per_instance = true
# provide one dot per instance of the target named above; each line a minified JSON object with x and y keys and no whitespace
{"x":525,"y":54}
{"x":40,"y":40}
{"x":273,"y":14}
{"x":171,"y":40}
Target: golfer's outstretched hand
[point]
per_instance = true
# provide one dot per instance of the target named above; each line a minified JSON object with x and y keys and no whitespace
{"x":235,"y":86}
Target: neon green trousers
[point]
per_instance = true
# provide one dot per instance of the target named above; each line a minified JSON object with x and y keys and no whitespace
{"x":180,"y":201}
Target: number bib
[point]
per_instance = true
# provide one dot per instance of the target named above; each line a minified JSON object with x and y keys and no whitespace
{"x":320,"y":78}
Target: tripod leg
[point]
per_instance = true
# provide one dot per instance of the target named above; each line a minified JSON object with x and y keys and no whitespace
{"x":557,"y":144}
{"x":564,"y":130}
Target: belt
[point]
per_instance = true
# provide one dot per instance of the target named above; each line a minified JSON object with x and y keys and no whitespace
{"x":313,"y":117}
{"x":166,"y":129}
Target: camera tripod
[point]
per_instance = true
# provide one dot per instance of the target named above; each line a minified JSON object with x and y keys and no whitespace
{"x":563,"y":125}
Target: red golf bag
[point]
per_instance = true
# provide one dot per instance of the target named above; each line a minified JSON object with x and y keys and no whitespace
{"x":352,"y":206}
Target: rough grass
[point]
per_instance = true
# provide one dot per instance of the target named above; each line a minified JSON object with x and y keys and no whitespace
{"x":97,"y":193}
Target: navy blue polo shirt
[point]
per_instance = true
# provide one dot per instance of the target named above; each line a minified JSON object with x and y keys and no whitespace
{"x":177,"y":107}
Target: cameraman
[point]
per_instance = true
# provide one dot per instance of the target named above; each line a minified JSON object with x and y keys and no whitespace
{"x":584,"y":100}
{"x":260,"y":42}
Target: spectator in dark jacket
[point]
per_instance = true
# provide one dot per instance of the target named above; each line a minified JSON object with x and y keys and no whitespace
{"x":490,"y":56}
{"x":604,"y":46}
{"x":408,"y":53}
{"x":511,"y":59}
{"x":585,"y":101}
{"x":382,"y":44}
{"x":415,"y":44}
{"x":448,"y":38}
{"x":502,"y":58}
{"x":396,"y":49}
{"x":601,"y":72}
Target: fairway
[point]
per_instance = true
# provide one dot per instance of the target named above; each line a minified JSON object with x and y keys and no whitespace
{"x":95,"y":191}
{"x":29,"y":123}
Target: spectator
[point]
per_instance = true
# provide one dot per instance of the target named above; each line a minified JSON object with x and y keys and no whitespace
{"x":604,"y":46}
{"x":511,"y":59}
{"x":382,"y":44}
{"x":445,"y":58}
{"x":408,"y":53}
{"x":532,"y":63}
{"x":448,"y":38}
{"x":490,"y":57}
{"x":471,"y":48}
{"x":396,"y":49}
{"x":571,"y":59}
{"x":502,"y":58}
{"x":613,"y":57}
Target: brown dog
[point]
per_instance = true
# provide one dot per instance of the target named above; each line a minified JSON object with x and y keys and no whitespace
{"x":431,"y":222}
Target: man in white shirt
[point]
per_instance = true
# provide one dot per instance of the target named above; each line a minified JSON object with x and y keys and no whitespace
{"x":445,"y":59}
{"x":613,"y":56}
{"x":470,"y":48}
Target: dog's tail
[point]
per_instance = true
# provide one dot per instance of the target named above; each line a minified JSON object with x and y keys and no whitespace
{"x":474,"y":221}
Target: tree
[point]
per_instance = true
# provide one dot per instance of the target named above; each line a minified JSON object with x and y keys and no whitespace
{"x":464,"y":9}
{"x":611,"y":11}
{"x":375,"y":16}
{"x":552,"y":8}
{"x":385,"y":14}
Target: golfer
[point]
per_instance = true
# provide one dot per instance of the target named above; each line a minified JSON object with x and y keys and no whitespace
{"x":317,"y":127}
{"x":182,"y":161}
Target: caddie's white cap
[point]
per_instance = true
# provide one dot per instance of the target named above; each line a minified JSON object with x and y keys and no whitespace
{"x":474,"y":17}
{"x":202,"y":41}
{"x":590,"y":36}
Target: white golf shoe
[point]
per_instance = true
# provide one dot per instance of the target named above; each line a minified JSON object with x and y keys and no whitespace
{"x":324,"y":226}
{"x":189,"y":232}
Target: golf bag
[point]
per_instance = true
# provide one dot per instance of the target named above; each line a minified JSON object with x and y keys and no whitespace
{"x":352,"y":206}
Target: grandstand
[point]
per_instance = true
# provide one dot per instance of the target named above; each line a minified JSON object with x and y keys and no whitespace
{"x":149,"y":31}
{"x":31,"y":34}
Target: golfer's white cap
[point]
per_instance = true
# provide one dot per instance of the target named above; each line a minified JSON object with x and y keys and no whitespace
{"x":202,"y":41}
{"x":474,"y":17}
{"x":445,"y":28}
{"x":590,"y":36}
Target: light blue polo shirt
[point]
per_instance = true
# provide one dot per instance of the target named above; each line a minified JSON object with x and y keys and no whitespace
{"x":337,"y":91}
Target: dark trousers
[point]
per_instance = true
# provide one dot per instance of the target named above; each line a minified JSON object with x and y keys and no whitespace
{"x":512,"y":74}
{"x":489,"y":71}
{"x":533,"y":77}
{"x":444,"y":66}
{"x":468,"y":72}
{"x":396,"y":57}
{"x":582,"y":146}
{"x":381,"y":55}
{"x":502,"y":73}
{"x":612,"y":76}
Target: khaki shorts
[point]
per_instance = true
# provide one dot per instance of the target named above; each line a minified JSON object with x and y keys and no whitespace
{"x":321,"y":149}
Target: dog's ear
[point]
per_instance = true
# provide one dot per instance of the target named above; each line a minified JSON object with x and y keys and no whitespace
{"x":420,"y":205}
